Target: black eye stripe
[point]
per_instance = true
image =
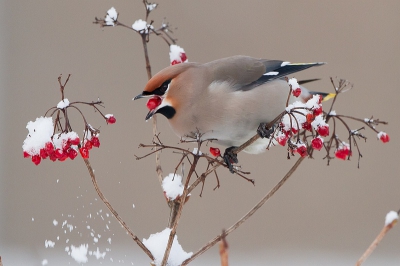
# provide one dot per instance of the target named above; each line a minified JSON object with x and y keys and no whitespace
{"x":162,"y":89}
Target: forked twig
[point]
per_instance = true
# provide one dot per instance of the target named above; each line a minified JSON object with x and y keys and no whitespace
{"x":114,"y":212}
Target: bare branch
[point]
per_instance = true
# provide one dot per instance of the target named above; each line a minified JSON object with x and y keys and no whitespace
{"x":223,"y":250}
{"x":248,"y":215}
{"x":178,"y":215}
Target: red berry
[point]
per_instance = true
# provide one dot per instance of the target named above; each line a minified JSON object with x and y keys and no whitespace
{"x":52,"y":156}
{"x":175,"y":62}
{"x":310,"y":118}
{"x":84,"y":152}
{"x":320,"y":99}
{"x":323,"y":131}
{"x":72,"y":153}
{"x":302,"y":150}
{"x":183,"y":57}
{"x":88,"y":144}
{"x":59,"y":153}
{"x":294,"y":130}
{"x":384,"y":137}
{"x":282,"y":139}
{"x":111,"y":120}
{"x":43,"y":153}
{"x":306,"y":126}
{"x":36,"y":159}
{"x":75,"y":141}
{"x":215,"y":151}
{"x":153,"y":102}
{"x":26,"y":155}
{"x":343,"y":153}
{"x":64,"y":156}
{"x":286,"y":132}
{"x":317,"y":111}
{"x":296,"y":92}
{"x":95,"y":141}
{"x":317,"y":144}
{"x":49,"y":148}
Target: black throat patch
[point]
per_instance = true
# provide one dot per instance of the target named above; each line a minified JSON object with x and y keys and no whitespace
{"x":167,"y":111}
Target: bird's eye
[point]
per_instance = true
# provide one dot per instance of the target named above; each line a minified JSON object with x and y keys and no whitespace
{"x":162,"y":89}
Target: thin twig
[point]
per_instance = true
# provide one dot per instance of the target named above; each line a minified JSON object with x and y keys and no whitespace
{"x":248,"y":215}
{"x":375,"y":243}
{"x":178,"y":215}
{"x":223,"y":250}
{"x":114,"y":212}
{"x":159,"y":170}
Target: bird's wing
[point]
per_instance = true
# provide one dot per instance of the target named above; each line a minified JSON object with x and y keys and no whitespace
{"x":237,"y":70}
{"x":245,"y":73}
{"x":275,"y":69}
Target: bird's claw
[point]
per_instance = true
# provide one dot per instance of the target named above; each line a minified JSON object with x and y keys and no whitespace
{"x":265,"y":132}
{"x":230,"y":158}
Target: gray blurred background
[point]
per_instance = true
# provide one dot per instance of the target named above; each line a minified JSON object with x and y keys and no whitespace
{"x":324,"y":215}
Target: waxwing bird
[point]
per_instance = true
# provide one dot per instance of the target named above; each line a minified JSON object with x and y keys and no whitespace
{"x":226,"y":99}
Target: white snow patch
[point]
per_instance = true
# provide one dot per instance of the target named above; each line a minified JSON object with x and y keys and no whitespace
{"x":172,"y":186}
{"x":196,"y":151}
{"x":151,"y":7}
{"x":55,"y":222}
{"x":97,"y":254}
{"x":141,"y":26}
{"x":176,"y":53}
{"x":111,"y":17}
{"x":313,"y":103}
{"x":79,"y":254}
{"x":49,"y":244}
{"x":332,"y":113}
{"x":40,"y":133}
{"x":45,"y":262}
{"x":391,"y":217}
{"x":157,"y":243}
{"x":63,"y":104}
{"x":289,"y":121}
{"x":380,"y":134}
{"x":318,"y":121}
{"x":293,"y":83}
{"x":61,"y":139}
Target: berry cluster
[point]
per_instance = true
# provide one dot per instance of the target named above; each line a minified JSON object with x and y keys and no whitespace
{"x":44,"y":142}
{"x":300,"y":118}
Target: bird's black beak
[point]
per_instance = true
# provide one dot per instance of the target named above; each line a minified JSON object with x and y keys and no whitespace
{"x":139,"y":96}
{"x":150,"y":114}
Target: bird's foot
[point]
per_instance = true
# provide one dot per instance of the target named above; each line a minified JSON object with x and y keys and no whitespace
{"x":230,"y":158}
{"x":265,"y":132}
